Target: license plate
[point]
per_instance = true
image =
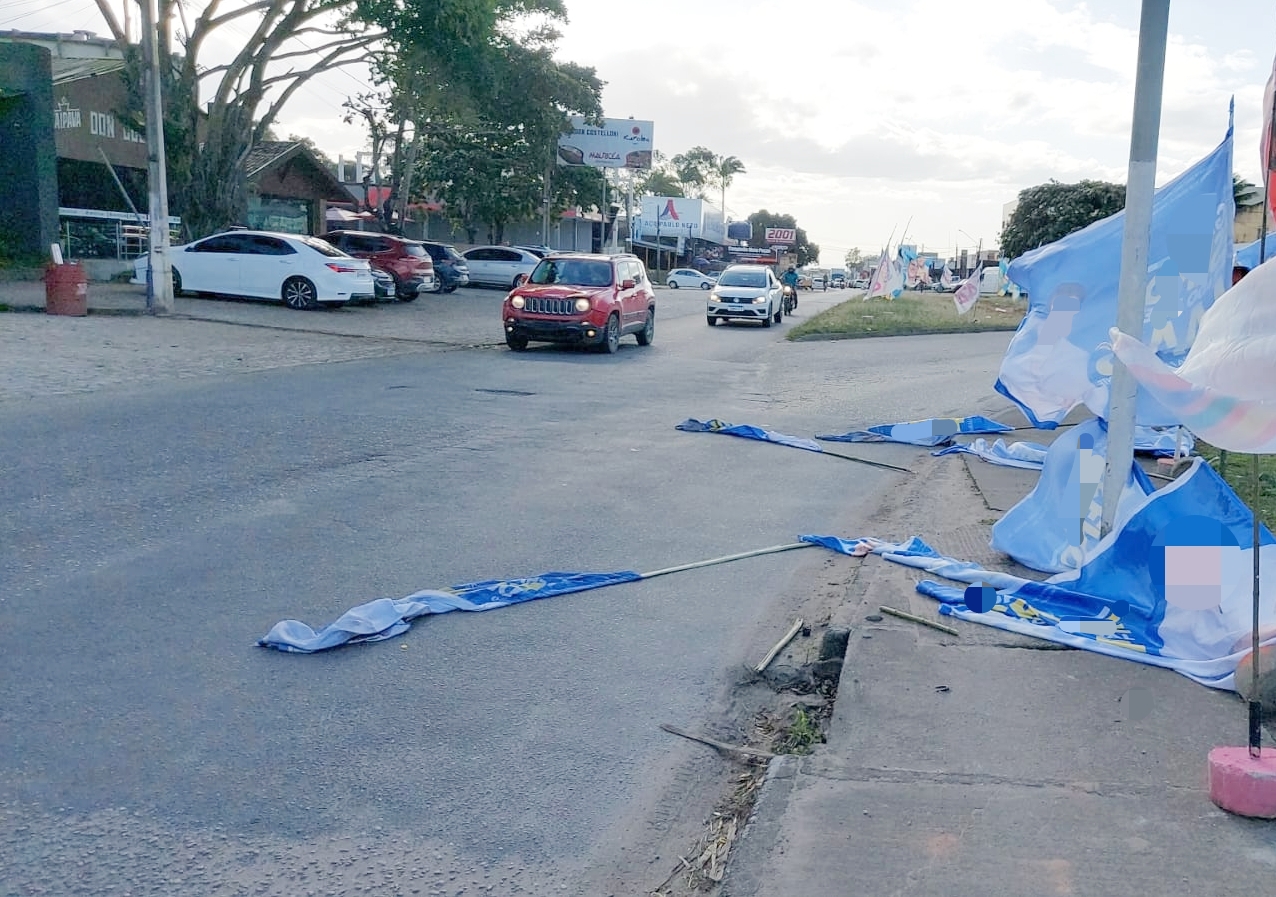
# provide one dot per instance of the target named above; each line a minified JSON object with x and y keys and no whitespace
{"x":735,"y":308}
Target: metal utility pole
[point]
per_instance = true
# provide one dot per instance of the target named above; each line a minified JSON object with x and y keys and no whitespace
{"x":159,"y":287}
{"x":1140,"y":188}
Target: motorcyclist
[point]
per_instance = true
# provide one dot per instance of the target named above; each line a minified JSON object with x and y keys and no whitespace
{"x":790,"y":279}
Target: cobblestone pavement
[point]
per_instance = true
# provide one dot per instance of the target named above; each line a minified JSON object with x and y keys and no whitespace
{"x":53,"y":355}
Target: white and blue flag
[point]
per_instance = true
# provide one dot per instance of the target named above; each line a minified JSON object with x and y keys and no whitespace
{"x":1060,"y":357}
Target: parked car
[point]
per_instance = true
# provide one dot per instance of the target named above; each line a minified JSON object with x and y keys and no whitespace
{"x":859,"y":284}
{"x":302,"y":272}
{"x":691,"y":278}
{"x":538,"y":251}
{"x":746,"y":293}
{"x":581,"y":298}
{"x":384,"y":285}
{"x":450,"y":268}
{"x":837,"y":280}
{"x":500,"y":266}
{"x":404,"y":260}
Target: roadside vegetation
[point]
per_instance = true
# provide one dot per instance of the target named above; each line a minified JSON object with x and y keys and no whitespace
{"x":912,"y":313}
{"x":1238,"y":471}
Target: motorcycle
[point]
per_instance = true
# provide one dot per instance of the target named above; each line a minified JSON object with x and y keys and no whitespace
{"x":790,"y":299}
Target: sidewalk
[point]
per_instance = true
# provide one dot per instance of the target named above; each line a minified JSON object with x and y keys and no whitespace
{"x":993,"y":764}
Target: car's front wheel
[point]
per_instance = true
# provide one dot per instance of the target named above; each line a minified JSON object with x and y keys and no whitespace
{"x":300,"y":294}
{"x":611,"y":337}
{"x":673,"y":284}
{"x":712,"y":321}
{"x":648,"y":332}
{"x":779,"y":313}
{"x":517,"y":343}
{"x":766,"y":322}
{"x":177,"y":283}
{"x":706,"y":285}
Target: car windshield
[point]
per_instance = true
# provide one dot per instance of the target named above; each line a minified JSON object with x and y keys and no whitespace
{"x":755,"y":279}
{"x":578,"y":272}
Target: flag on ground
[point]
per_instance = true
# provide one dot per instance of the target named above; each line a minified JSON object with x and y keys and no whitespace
{"x":932,"y":432}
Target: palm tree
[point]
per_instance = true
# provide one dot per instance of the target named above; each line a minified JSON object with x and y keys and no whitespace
{"x":725,"y":168}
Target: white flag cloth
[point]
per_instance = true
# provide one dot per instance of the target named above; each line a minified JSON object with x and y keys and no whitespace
{"x":968,"y":293}
{"x":1225,"y":390}
{"x":895,"y":280}
{"x":946,"y":277}
{"x":877,"y":286}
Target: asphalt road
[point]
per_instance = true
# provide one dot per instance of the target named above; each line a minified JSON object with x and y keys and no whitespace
{"x":152,"y":533}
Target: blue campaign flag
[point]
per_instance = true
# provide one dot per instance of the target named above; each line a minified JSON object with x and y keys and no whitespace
{"x":1056,"y":526}
{"x":1060,"y":357}
{"x":932,"y":432}
{"x":1133,"y":598}
{"x":1247,"y":255}
{"x":385,"y":618}
{"x":1024,"y":455}
{"x":746,"y":431}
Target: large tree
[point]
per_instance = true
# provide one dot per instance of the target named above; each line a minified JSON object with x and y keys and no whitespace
{"x":489,"y":164}
{"x":1051,"y":211}
{"x":217,"y":111}
{"x":807,"y":252}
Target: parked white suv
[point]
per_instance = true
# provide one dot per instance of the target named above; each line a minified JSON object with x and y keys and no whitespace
{"x":746,"y":293}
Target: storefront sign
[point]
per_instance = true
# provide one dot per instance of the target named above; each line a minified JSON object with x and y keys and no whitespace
{"x":86,"y":123}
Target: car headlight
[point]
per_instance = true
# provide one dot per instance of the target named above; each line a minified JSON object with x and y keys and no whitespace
{"x":582,"y":304}
{"x":518,"y":302}
{"x":759,"y":300}
{"x":714,"y":297}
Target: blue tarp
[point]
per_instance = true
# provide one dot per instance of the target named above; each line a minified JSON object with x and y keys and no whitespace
{"x":1061,"y":357}
{"x":932,"y":432}
{"x":1123,"y":600}
{"x":387,"y":617}
{"x":1247,"y":255}
{"x":1026,"y":455}
{"x":746,"y":431}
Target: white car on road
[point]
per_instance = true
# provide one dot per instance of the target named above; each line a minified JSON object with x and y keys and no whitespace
{"x":690,"y":278}
{"x":746,"y":293}
{"x":302,"y":272}
{"x":500,"y":266}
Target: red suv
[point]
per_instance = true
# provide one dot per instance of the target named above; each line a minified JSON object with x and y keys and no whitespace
{"x":581,"y":298}
{"x":404,"y":260}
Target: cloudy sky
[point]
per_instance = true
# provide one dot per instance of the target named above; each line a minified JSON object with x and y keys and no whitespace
{"x":857,"y":116}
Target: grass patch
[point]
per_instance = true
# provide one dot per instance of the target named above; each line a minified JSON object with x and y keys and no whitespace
{"x":1238,"y":471}
{"x":911,"y":313}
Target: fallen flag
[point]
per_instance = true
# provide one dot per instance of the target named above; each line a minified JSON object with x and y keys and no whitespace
{"x":1134,"y":598}
{"x":932,"y":432}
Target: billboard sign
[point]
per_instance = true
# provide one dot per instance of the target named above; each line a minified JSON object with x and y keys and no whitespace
{"x":781,"y":236}
{"x":619,"y":143}
{"x":740,"y":230}
{"x":668,"y":216}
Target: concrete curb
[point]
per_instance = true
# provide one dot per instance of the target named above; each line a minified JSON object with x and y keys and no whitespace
{"x":765,"y":826}
{"x":830,"y":337}
{"x":105,"y":312}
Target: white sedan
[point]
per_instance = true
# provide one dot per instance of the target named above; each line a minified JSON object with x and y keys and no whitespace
{"x":500,"y":266}
{"x":302,"y":272}
{"x":690,"y":278}
{"x":746,"y":293}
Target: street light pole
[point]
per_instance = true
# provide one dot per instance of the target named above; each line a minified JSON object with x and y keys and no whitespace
{"x":1132,"y":296}
{"x":159,"y":289}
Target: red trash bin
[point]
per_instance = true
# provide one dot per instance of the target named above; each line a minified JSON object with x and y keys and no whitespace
{"x":66,"y":289}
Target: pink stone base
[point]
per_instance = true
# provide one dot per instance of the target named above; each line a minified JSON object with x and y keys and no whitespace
{"x":1242,"y":785}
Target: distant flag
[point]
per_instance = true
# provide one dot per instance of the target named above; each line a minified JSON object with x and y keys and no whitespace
{"x":946,"y":277}
{"x":968,"y":293}
{"x":895,"y":282}
{"x":1266,"y":161}
{"x":877,"y":286}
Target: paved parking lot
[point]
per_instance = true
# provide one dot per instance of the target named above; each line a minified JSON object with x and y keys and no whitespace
{"x":115,"y":345}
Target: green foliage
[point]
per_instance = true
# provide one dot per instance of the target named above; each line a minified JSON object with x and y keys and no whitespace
{"x":801,"y":735}
{"x":855,"y":258}
{"x":807,"y":252}
{"x":1245,"y":193}
{"x":1051,"y":211}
